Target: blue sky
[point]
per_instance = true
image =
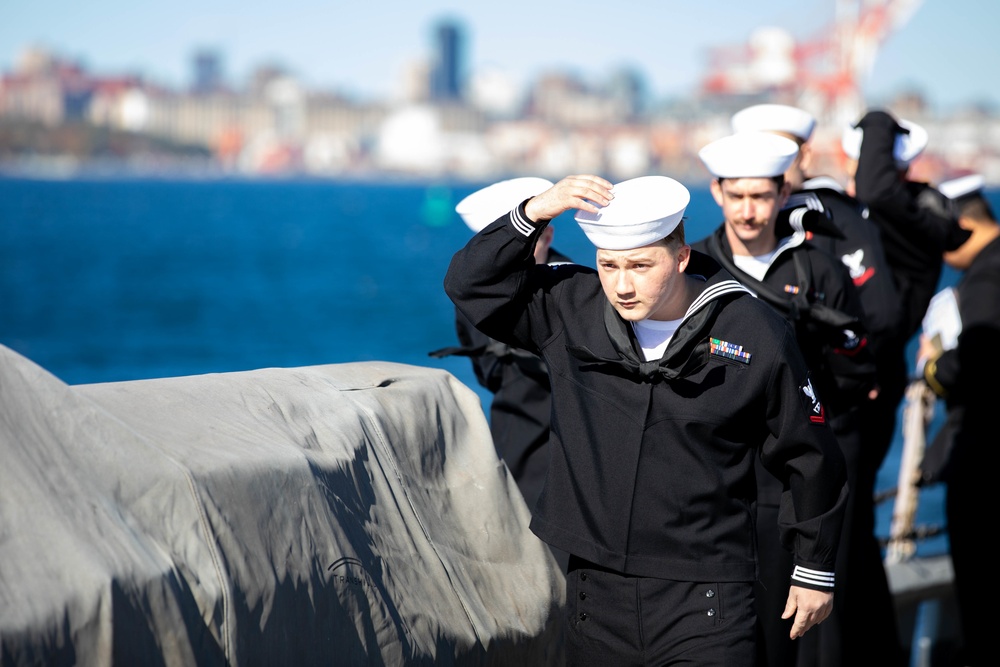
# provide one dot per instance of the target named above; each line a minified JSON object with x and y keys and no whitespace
{"x":948,"y":49}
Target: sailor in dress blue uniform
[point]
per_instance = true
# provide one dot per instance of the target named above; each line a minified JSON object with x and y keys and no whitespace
{"x":655,"y":429}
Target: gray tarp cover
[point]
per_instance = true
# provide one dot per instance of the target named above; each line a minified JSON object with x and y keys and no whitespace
{"x":344,"y":514}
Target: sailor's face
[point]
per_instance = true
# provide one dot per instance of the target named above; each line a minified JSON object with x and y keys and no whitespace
{"x":750,"y":207}
{"x":646,"y":282}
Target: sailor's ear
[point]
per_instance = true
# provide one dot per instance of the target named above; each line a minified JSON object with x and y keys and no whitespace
{"x":683,"y":258}
{"x":784,"y":193}
{"x":716,"y":188}
{"x":805,"y":157}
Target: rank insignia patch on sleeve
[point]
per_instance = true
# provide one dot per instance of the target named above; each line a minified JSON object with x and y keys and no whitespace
{"x":728,"y":350}
{"x":817,"y":414}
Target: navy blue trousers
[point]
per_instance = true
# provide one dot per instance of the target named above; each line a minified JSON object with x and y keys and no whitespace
{"x":622,"y":620}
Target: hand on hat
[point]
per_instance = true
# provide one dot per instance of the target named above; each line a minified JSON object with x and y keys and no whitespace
{"x":583,"y":192}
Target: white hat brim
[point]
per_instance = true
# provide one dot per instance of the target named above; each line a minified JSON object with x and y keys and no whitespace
{"x":749,"y":155}
{"x":906,"y":149}
{"x":775,"y":118}
{"x":960,"y":187}
{"x":487,"y":204}
{"x":644,"y":210}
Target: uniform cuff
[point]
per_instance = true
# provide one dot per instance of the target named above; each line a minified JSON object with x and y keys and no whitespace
{"x":818,"y":580}
{"x":521,"y":224}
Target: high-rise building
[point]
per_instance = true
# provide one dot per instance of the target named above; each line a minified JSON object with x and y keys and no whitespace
{"x":207,"y":71}
{"x":446,"y":73}
{"x":627,"y":87}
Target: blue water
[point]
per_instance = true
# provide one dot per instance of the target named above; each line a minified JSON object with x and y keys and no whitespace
{"x":108,"y":280}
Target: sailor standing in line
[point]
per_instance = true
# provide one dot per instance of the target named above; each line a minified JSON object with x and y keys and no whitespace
{"x":863,"y":627}
{"x":859,"y":243}
{"x":668,"y":380}
{"x":962,"y":375}
{"x":915,"y":228}
{"x":814,"y":292}
{"x":518,"y":379}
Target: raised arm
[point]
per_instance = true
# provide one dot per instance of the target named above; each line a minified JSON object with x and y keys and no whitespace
{"x":880,"y":184}
{"x":493,"y":279}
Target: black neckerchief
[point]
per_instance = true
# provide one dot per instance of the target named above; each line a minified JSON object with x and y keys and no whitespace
{"x":688,"y":351}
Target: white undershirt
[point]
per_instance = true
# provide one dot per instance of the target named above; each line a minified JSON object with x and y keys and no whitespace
{"x":755,"y":265}
{"x":653,"y":336}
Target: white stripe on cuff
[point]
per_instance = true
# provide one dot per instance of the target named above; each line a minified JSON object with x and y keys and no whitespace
{"x":814,"y":577}
{"x":524,"y":227}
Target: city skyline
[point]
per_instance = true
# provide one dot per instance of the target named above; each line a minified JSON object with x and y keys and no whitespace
{"x":943,"y":52}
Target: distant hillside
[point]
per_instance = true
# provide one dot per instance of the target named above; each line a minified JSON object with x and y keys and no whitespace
{"x":21,"y":138}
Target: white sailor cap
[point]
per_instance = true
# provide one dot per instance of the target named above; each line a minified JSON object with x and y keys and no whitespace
{"x":749,"y":155}
{"x":905,"y":150}
{"x":487,"y":204}
{"x":644,"y":210}
{"x":775,"y":118}
{"x":962,"y":187}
